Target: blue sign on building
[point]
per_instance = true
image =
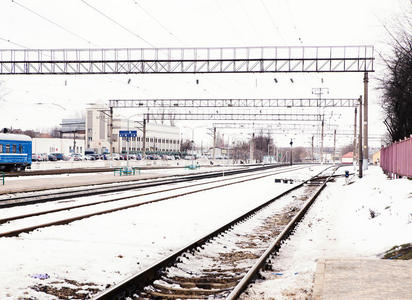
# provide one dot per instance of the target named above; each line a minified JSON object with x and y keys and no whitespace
{"x":127,"y":133}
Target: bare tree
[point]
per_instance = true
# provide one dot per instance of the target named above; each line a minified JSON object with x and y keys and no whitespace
{"x":397,"y":85}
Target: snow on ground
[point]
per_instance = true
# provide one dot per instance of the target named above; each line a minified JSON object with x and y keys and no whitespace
{"x":359,"y":220}
{"x":106,"y":249}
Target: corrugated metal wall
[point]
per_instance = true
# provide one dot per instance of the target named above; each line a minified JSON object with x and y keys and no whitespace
{"x":396,"y":159}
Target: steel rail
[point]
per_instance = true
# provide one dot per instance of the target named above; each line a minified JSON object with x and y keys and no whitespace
{"x":39,"y":213}
{"x":127,"y":287}
{"x":16,"y":232}
{"x":40,"y":198}
{"x":251,"y":274}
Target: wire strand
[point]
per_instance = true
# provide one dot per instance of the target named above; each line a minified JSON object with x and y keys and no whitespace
{"x":117,"y":23}
{"x":52,"y":22}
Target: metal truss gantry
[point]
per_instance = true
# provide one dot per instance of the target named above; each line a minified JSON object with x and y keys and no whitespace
{"x":271,"y":126}
{"x":235,"y":116}
{"x":188,"y":60}
{"x":207,"y":103}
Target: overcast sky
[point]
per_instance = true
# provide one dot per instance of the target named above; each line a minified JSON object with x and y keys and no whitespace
{"x":187,"y":23}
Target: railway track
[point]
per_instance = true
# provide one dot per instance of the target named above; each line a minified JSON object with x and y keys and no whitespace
{"x":11,"y":200}
{"x":134,"y":202}
{"x":222,"y":263}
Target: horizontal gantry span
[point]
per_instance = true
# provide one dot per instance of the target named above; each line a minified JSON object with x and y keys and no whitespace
{"x":272,"y":126}
{"x":207,"y":103}
{"x":188,"y":60}
{"x":234,"y":116}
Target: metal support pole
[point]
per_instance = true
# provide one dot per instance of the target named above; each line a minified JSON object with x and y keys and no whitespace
{"x":252,"y":148}
{"x":321,"y":143}
{"x":313,"y":157}
{"x":360,"y":140}
{"x":334,"y":146}
{"x":291,"y":153}
{"x":127,"y":140}
{"x":144,"y":138}
{"x":354,"y":137}
{"x":214,"y":143}
{"x":111,"y":136}
{"x":365,"y":121}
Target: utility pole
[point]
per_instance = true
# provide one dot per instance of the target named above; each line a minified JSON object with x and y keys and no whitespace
{"x":360,"y":140}
{"x":313,"y":157}
{"x":291,"y":154}
{"x":321,"y":143}
{"x":144,"y":137}
{"x":252,"y":148}
{"x":111,"y":131}
{"x":365,"y":113}
{"x":334,"y":145}
{"x":214,"y":143}
{"x":354,"y":136}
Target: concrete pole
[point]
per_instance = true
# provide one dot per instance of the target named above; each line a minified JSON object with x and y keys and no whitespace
{"x":365,"y":113}
{"x":214,"y":143}
{"x":111,"y":131}
{"x":313,"y":157}
{"x":334,"y":145}
{"x":360,"y":140}
{"x":144,"y":138}
{"x":111,"y":136}
{"x":127,"y":140}
{"x":354,"y":136}
{"x":321,"y":143}
{"x":252,"y":148}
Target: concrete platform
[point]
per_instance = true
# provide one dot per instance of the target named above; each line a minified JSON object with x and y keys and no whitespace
{"x":363,"y":279}
{"x":40,"y":184}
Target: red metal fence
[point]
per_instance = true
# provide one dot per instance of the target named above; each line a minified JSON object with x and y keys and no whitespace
{"x":396,"y":159}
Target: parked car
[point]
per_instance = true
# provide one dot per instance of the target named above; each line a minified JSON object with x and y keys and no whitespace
{"x":59,"y":156}
{"x":177,"y":157}
{"x":34,"y":157}
{"x":52,"y":157}
{"x":116,"y":156}
{"x":89,"y":157}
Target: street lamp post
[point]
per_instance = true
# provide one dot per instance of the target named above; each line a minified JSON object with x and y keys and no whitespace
{"x":291,"y":143}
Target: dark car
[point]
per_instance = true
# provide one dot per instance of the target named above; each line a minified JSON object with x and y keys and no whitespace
{"x":51,"y":157}
{"x":59,"y":156}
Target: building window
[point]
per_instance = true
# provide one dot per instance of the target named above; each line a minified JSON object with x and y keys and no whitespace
{"x":147,"y":139}
{"x":138,"y":138}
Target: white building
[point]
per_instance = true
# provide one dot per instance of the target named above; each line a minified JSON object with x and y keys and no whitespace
{"x":159,"y":137}
{"x":56,"y":145}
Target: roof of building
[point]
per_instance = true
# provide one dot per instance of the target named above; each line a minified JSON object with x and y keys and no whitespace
{"x":348,"y":155}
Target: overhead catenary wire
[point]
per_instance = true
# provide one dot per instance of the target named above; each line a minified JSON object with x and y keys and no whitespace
{"x":14,"y":43}
{"x":117,"y":23}
{"x":157,"y":21}
{"x":272,"y":20}
{"x":53,"y":22}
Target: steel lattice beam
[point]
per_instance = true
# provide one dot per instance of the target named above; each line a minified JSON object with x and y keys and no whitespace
{"x":188,"y":60}
{"x":271,"y":126}
{"x":234,"y":116}
{"x":208,"y":103}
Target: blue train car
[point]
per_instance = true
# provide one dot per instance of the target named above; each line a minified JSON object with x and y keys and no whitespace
{"x":15,"y":152}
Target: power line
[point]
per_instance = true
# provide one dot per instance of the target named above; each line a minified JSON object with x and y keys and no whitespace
{"x":271,"y":18}
{"x":52,"y":22}
{"x":117,"y":23}
{"x":156,"y":20}
{"x":14,"y":43}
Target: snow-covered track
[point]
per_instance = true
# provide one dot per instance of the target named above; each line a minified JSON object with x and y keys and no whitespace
{"x":223,"y":262}
{"x":187,"y":189}
{"x":70,"y":193}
